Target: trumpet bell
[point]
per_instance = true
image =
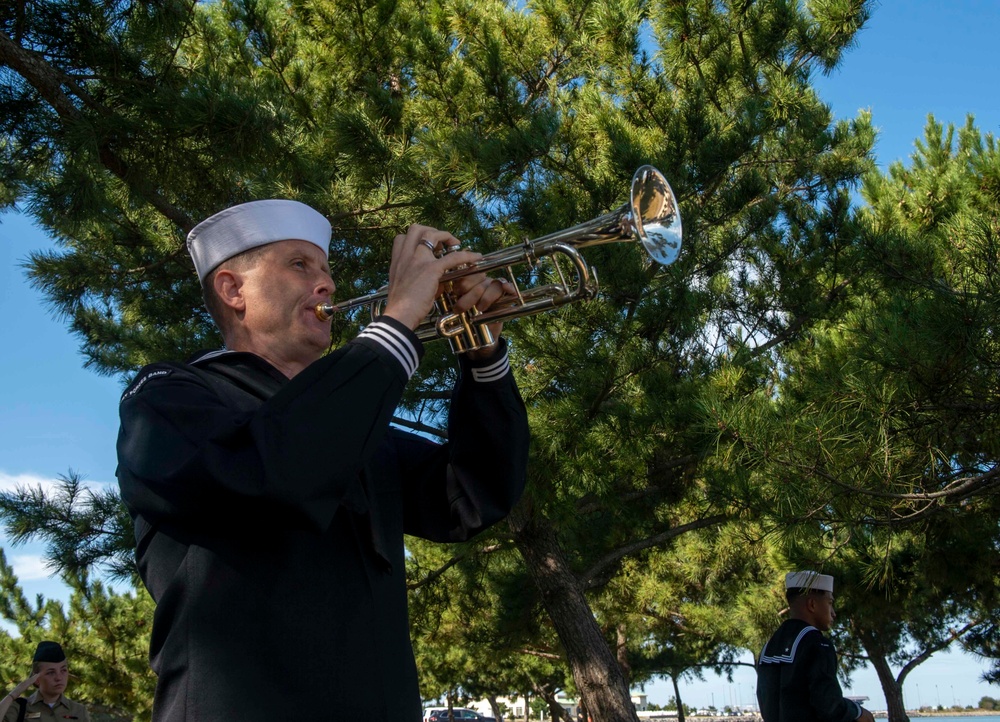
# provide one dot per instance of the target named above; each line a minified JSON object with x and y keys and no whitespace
{"x":655,"y":215}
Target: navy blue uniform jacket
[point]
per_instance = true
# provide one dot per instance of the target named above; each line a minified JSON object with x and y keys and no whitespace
{"x":270,"y":515}
{"x":797,"y":678}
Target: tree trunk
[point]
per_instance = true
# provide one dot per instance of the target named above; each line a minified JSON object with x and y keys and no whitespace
{"x":556,"y":710}
{"x":495,"y":708}
{"x":892,"y":690}
{"x":596,"y":672}
{"x":891,"y":687}
{"x":677,"y":698}
{"x":621,"y":652}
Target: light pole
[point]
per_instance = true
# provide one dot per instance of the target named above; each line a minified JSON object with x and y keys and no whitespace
{"x":938,"y":692}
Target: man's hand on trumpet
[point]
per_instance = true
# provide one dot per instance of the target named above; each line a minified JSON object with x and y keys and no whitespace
{"x":420,"y":257}
{"x":415,"y":272}
{"x":481,"y":292}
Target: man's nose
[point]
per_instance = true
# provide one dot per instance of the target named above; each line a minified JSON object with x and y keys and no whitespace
{"x":325,"y":286}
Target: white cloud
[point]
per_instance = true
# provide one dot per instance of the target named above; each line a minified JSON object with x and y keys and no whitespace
{"x":29,"y":567}
{"x":10,"y":482}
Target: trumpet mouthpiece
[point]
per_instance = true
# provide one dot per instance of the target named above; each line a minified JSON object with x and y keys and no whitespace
{"x":325,"y":311}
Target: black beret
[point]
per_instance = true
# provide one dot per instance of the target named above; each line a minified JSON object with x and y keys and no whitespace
{"x":49,"y":652}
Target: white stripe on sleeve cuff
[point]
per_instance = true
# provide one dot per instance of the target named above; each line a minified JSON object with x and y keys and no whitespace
{"x":395,"y":343}
{"x":495,"y":371}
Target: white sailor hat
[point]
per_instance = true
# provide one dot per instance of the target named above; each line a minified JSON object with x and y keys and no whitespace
{"x":809,"y":580}
{"x":248,"y":225}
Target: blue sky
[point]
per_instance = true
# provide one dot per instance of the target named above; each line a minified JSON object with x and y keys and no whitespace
{"x":914,"y":57}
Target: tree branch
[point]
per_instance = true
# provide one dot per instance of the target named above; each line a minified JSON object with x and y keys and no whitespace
{"x":922,"y":657}
{"x":542,"y":655}
{"x":798,"y":322}
{"x":436,"y":574}
{"x":588,"y":580}
{"x":49,"y":82}
{"x":418,"y":426}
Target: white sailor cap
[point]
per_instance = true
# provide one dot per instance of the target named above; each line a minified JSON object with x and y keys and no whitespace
{"x":809,"y":580}
{"x":248,"y":225}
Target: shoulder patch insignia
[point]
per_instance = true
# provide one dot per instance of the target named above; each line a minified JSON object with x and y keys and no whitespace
{"x":139,"y":383}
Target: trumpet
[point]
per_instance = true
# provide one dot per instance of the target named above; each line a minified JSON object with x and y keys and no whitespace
{"x":651,"y":217}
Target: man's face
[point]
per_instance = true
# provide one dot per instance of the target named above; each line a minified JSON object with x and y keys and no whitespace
{"x":52,"y":678}
{"x":281,"y":292}
{"x":823,"y":612}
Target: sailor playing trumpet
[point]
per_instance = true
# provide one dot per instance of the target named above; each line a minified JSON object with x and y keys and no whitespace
{"x":269,"y":492}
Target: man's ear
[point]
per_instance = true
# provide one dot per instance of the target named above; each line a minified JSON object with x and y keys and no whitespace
{"x":229,"y":288}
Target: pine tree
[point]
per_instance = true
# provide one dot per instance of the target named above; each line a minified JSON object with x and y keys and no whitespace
{"x":877,"y":450}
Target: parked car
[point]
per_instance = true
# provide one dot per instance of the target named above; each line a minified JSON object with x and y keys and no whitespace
{"x":460,"y":714}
